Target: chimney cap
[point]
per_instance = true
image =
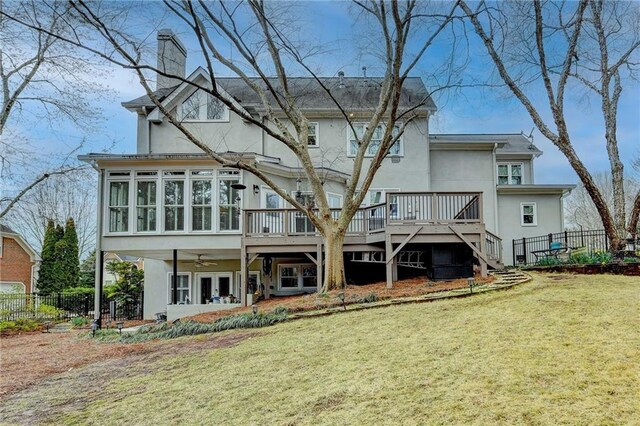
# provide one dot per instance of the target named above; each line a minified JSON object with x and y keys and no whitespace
{"x":340,"y":73}
{"x":167,"y":34}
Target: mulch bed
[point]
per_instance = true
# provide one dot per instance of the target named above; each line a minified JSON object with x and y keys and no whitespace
{"x":353,"y":293}
{"x":28,"y":357}
{"x":632,"y":269}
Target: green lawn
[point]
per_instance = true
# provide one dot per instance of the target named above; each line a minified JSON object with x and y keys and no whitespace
{"x":547,"y":352}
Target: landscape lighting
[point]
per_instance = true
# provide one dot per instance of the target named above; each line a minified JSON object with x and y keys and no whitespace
{"x":254,"y":308}
{"x":94,"y":327}
{"x":470,"y":282}
{"x":120,"y":324}
{"x":47,"y":325}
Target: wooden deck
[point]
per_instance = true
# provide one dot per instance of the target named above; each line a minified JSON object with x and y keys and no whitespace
{"x":406,"y":217}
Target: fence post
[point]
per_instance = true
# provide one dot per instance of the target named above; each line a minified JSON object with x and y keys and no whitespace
{"x":513,"y":251}
{"x":524,"y":250}
{"x":581,"y":237}
{"x":550,"y":239}
{"x":566,"y":238}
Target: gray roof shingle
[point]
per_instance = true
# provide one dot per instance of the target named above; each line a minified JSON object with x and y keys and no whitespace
{"x":357,"y":93}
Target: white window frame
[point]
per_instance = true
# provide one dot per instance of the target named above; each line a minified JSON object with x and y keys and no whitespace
{"x":138,"y":180}
{"x":335,"y":196}
{"x":237,"y":285}
{"x":107,"y":212}
{"x":202,"y":109}
{"x":212,"y":182}
{"x":364,"y":125}
{"x":189,"y":285}
{"x":316,"y":126}
{"x":535,"y":214}
{"x":510,"y":173}
{"x":186,"y":197}
{"x":300,"y":276}
{"x":227,"y":175}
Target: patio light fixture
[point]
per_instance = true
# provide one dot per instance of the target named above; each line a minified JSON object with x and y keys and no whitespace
{"x":256,"y":189}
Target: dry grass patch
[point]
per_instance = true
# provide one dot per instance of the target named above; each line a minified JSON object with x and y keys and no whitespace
{"x":548,"y":352}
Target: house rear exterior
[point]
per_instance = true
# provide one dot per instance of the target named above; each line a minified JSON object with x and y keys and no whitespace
{"x":443,"y":205}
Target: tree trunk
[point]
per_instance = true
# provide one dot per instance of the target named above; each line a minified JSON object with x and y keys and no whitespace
{"x":334,"y":277}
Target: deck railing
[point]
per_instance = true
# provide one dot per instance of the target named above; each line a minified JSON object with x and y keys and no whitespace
{"x":400,"y":208}
{"x":493,"y":246}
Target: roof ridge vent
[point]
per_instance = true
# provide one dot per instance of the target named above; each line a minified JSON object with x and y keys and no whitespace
{"x":341,"y":77}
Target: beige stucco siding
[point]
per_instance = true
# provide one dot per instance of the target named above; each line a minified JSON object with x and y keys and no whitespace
{"x":157,"y":273}
{"x":467,"y":171}
{"x":549,"y":219}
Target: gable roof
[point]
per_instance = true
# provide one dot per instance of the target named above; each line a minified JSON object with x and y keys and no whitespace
{"x":355,"y":93}
{"x":7,"y":232}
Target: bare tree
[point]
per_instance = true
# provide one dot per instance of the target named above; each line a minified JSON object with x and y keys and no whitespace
{"x":582,"y":213}
{"x":555,"y":48}
{"x":44,"y":83}
{"x":263,"y":46}
{"x":58,"y":198}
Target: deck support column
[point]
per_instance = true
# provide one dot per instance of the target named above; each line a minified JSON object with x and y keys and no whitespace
{"x":97,"y":311}
{"x":319,"y":267}
{"x":174,"y":279}
{"x":244,"y":269}
{"x":388,"y":256}
{"x":483,"y":249}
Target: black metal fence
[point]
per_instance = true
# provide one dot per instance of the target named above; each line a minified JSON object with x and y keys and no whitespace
{"x":61,"y":306}
{"x":528,"y":251}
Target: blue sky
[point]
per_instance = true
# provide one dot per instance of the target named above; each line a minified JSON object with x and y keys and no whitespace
{"x":474,"y":110}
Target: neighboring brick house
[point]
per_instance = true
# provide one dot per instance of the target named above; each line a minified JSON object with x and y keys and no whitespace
{"x":18,"y":263}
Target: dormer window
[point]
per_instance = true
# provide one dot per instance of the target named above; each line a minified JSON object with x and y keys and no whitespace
{"x":202,"y":106}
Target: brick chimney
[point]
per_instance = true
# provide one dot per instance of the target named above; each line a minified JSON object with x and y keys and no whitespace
{"x":172,"y":57}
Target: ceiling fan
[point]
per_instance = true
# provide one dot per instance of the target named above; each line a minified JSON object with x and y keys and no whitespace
{"x":200,"y":262}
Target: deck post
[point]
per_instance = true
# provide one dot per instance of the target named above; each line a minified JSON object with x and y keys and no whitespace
{"x":389,"y":265}
{"x":483,"y":249}
{"x":319,"y":267}
{"x":97,"y":311}
{"x":243,"y":274}
{"x":174,"y":279}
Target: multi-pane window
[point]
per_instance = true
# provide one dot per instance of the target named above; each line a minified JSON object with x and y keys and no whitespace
{"x":309,"y":276}
{"x":289,"y":276}
{"x":335,"y":200}
{"x":298,"y":276}
{"x":528,"y":214}
{"x":118,"y":206}
{"x":183,"y":289}
{"x":201,"y":196}
{"x":204,"y":107}
{"x":314,"y":137}
{"x":228,"y":203}
{"x":174,"y":205}
{"x":509,"y":174}
{"x":376,"y":140}
{"x":146,"y":206}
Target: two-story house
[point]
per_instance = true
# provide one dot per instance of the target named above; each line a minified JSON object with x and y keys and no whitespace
{"x":212,"y":237}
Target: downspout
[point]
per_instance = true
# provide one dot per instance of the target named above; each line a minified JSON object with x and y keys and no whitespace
{"x":262,"y":138}
{"x":148,"y":141}
{"x":495,"y":185}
